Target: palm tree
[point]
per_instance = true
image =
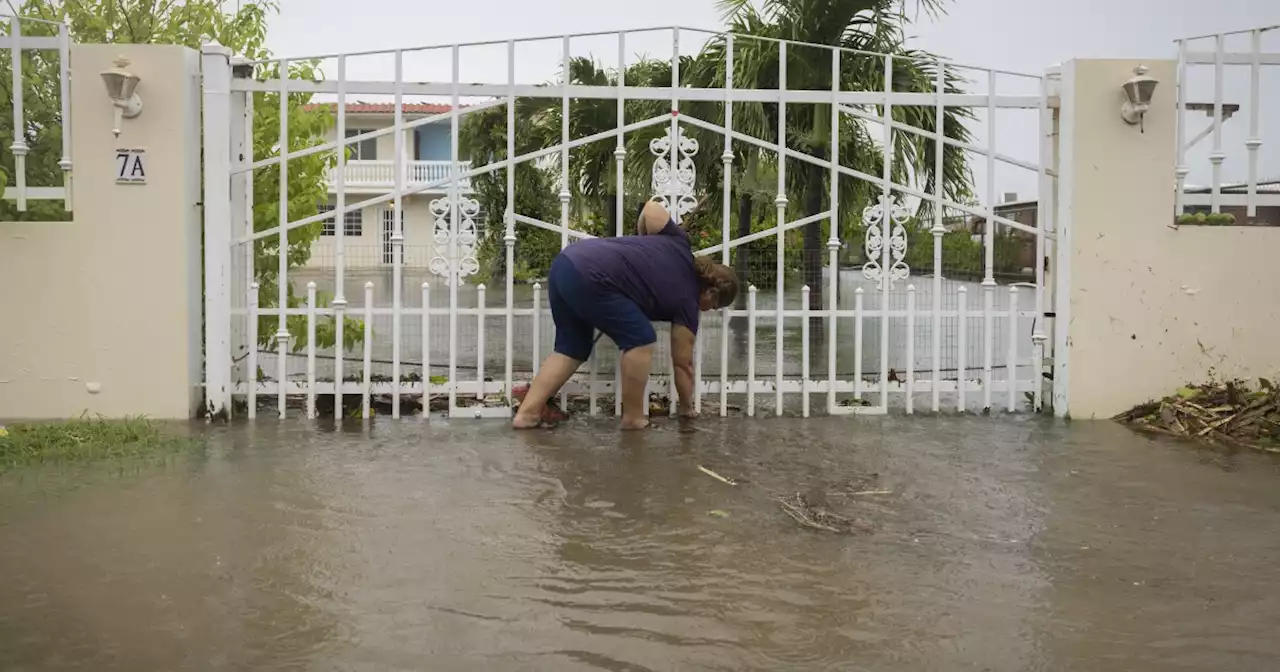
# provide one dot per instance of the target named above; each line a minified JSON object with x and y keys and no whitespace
{"x":869,"y":27}
{"x":592,"y":167}
{"x":482,"y":137}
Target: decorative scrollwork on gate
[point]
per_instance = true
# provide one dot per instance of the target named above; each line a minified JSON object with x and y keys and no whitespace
{"x":873,"y":217}
{"x":674,"y":188}
{"x":439,"y":264}
{"x":457,"y":260}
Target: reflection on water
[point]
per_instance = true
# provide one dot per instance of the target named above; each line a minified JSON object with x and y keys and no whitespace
{"x":1017,"y":545}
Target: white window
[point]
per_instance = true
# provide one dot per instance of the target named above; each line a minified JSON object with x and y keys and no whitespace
{"x":388,"y":229}
{"x":352,"y":222}
{"x":364,"y":150}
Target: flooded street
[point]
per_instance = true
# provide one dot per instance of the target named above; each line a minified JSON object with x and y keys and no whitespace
{"x":1000,"y":544}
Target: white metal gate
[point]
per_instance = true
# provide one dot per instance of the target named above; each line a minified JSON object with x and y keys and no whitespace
{"x":930,"y":340}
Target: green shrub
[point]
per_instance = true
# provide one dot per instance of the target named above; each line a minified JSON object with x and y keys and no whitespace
{"x":1206,"y":219}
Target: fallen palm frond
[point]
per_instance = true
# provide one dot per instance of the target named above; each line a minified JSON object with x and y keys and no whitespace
{"x":1217,"y":412}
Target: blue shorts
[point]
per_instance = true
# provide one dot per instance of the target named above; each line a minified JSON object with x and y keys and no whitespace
{"x":579,"y":307}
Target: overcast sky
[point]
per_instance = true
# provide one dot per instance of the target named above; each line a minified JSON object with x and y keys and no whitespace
{"x":1020,"y":35}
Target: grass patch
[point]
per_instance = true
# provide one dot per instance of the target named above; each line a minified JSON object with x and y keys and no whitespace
{"x":86,"y":439}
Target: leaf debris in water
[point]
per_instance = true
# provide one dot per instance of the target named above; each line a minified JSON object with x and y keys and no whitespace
{"x":817,"y":516}
{"x":1227,"y":412}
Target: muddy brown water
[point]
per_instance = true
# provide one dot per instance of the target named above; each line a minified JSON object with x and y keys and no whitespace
{"x":1003,"y":545}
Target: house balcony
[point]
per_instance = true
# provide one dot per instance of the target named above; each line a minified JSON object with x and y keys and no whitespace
{"x":366,"y":176}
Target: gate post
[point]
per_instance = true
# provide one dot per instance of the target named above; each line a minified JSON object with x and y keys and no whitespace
{"x":215,"y":63}
{"x":1123,"y":272}
{"x":1063,"y":204}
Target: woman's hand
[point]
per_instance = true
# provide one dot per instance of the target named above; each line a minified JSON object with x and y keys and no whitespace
{"x":682,"y":342}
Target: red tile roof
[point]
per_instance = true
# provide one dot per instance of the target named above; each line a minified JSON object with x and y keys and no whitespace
{"x":384,"y":108}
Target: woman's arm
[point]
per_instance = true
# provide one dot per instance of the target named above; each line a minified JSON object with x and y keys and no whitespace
{"x":682,"y":340}
{"x":653,"y":218}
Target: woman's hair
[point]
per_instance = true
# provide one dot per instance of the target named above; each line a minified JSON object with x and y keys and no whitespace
{"x":718,"y":277}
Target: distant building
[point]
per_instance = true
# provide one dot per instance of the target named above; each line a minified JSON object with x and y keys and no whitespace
{"x":370,"y":171}
{"x":1020,"y":211}
{"x":1233,"y":200}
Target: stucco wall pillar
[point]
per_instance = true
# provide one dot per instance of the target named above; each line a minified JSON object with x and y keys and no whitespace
{"x":1148,"y":307}
{"x":103,"y":314}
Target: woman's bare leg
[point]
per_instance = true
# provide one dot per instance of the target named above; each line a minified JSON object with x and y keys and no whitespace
{"x":555,"y":372}
{"x":636,"y":364}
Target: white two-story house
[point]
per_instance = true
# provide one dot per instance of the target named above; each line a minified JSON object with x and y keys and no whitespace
{"x":370,"y":170}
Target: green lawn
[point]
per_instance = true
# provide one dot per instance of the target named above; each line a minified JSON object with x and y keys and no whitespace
{"x":84,"y":439}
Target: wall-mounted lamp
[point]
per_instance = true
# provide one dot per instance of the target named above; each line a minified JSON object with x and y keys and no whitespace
{"x":121,"y":87}
{"x":1138,"y":92}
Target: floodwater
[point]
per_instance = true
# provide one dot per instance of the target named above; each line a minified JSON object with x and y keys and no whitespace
{"x":1001,"y":544}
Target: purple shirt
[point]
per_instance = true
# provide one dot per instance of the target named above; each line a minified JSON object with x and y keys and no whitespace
{"x":654,"y":271}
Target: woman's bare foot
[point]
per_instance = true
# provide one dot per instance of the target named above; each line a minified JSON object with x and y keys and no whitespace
{"x":636,"y":423}
{"x":526,"y":421}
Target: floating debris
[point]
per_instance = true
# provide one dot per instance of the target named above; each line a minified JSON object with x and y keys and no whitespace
{"x":812,"y":512}
{"x":718,"y":477}
{"x":1214,"y":412}
{"x":717,"y":513}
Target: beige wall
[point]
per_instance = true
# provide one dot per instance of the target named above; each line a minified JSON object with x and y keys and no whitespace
{"x":1153,"y":307}
{"x":111,"y":301}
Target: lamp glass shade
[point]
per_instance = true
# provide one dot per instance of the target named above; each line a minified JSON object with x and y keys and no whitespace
{"x":120,"y":85}
{"x":1140,"y":90}
{"x":130,"y":84}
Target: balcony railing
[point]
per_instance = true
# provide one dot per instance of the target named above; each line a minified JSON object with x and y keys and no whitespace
{"x":381,"y":174}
